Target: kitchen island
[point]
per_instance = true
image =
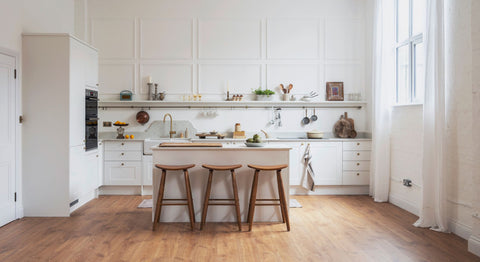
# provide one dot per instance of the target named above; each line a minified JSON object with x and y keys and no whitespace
{"x":221,"y":186}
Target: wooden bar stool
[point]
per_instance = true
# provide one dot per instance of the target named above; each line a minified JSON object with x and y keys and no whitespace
{"x":235,"y":203}
{"x":281,"y":192}
{"x":161,"y":200}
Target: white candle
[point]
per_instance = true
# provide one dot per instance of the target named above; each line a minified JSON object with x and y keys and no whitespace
{"x":150,"y":80}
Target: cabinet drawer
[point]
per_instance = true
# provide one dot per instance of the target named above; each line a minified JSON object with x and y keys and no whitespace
{"x":121,"y":145}
{"x":356,"y":165}
{"x":360,"y":145}
{"x":123,"y":173}
{"x":356,"y":155}
{"x":123,"y":155}
{"x":356,"y":178}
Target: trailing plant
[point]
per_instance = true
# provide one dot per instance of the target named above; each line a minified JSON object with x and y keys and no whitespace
{"x":267,"y":91}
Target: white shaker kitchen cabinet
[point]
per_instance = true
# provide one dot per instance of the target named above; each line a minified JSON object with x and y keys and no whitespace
{"x":296,"y":162}
{"x":55,"y":169}
{"x":327,"y":162}
{"x":123,"y":163}
{"x":91,"y":69}
{"x":100,"y":164}
{"x":147,"y":170}
{"x":356,"y":163}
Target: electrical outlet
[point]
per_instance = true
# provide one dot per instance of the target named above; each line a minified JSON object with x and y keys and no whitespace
{"x":407,"y":182}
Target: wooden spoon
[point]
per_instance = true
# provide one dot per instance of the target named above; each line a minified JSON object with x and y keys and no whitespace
{"x":290,"y":86}
{"x":283,"y":89}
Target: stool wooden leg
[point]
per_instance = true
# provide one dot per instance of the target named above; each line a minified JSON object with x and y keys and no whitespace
{"x":158,"y":209}
{"x":189,"y":199}
{"x":283,"y":199}
{"x":237,"y":204}
{"x":253,"y":200}
{"x":207,"y":197}
{"x":279,"y":185}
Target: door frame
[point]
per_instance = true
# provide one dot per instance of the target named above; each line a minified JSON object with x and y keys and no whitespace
{"x":18,"y":130}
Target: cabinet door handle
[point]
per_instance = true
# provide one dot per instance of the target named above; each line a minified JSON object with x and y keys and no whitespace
{"x":123,"y":144}
{"x":123,"y":154}
{"x":123,"y":164}
{"x":358,"y":164}
{"x":358,"y":174}
{"x":97,"y":155}
{"x":358,"y":144}
{"x":358,"y":154}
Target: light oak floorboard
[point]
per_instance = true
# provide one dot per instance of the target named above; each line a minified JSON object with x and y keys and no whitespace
{"x":327,"y":228}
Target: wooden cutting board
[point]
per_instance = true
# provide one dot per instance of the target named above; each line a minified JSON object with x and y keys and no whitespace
{"x":168,"y":144}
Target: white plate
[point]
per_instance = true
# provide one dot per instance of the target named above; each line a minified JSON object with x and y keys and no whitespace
{"x":255,"y":144}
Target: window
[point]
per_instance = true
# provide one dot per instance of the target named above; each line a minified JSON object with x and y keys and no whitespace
{"x":410,"y":24}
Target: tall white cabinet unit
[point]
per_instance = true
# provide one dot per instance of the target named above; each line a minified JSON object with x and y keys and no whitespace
{"x":58,"y":175}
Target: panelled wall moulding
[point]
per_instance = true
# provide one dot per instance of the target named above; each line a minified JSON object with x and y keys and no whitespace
{"x":166,"y":38}
{"x":226,"y":38}
{"x":276,"y":50}
{"x":114,"y":37}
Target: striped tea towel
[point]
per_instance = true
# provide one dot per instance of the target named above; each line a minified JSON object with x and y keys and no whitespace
{"x":309,"y":178}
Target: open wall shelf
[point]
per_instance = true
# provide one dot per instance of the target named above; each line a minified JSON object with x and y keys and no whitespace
{"x":231,"y":104}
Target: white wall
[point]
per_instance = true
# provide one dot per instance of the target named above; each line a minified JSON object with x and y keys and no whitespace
{"x":462,"y":108}
{"x":474,"y":241}
{"x":197,"y":46}
{"x":32,"y":16}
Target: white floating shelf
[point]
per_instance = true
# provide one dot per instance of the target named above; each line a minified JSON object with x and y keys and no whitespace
{"x":231,"y":104}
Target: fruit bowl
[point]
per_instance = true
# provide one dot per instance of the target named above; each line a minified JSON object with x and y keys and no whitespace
{"x":255,"y":144}
{"x":120,"y":124}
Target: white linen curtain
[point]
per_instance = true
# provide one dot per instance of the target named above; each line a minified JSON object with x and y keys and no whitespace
{"x":383,"y":97}
{"x":433,"y":212}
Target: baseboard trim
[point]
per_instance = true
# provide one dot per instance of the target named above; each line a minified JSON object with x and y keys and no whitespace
{"x":404,"y":204}
{"x":83,"y":199}
{"x":330,"y":190}
{"x":474,"y":245}
{"x":120,"y":190}
{"x":460,"y":229}
{"x":19,"y":213}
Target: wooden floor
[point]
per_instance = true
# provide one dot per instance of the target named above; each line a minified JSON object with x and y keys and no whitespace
{"x":327,"y":228}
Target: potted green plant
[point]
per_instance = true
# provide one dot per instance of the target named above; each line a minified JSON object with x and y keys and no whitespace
{"x":263,"y":95}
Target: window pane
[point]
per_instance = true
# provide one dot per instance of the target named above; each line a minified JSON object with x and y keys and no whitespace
{"x":402,"y":74}
{"x":418,"y":16}
{"x":419,"y":73}
{"x":403,"y":23}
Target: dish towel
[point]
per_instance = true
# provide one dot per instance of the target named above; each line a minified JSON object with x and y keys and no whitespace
{"x":309,"y":179}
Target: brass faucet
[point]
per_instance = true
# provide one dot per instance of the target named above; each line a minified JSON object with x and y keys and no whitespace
{"x":171,"y":123}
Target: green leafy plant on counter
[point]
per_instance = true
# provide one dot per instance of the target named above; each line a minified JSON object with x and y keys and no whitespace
{"x":266,"y":92}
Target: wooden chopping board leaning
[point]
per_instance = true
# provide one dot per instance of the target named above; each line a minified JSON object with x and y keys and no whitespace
{"x":345,"y":127}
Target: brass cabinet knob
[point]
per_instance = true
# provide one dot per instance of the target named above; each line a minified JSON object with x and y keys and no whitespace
{"x":97,"y":155}
{"x":123,"y":154}
{"x":358,"y":154}
{"x":302,"y":144}
{"x":358,"y":164}
{"x":123,"y":144}
{"x":123,"y":164}
{"x":358,"y":174}
{"x":358,"y":144}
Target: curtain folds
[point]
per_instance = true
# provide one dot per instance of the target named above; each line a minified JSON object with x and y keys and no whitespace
{"x":433,"y":212}
{"x":383,"y":97}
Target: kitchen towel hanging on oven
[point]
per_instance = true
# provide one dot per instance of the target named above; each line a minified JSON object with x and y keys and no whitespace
{"x":308,"y":181}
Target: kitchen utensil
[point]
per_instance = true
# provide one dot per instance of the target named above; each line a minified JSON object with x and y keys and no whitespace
{"x":306,"y":120}
{"x":255,"y":144}
{"x":314,"y":117}
{"x":315,"y":134}
{"x":283,"y":89}
{"x":142,"y":117}
{"x":290,"y":86}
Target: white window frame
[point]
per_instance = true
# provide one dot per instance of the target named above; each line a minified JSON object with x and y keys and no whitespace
{"x":411,"y":41}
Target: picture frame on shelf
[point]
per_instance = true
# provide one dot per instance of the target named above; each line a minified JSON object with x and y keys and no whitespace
{"x":335,"y":91}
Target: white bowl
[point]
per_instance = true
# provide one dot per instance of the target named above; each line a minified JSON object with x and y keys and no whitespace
{"x":315,"y":134}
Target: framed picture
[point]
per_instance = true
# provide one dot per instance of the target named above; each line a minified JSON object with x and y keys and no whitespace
{"x":334,"y":91}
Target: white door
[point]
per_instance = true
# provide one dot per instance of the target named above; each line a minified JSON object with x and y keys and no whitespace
{"x":7,"y":139}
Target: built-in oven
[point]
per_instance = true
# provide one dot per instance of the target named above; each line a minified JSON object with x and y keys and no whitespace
{"x":91,"y":119}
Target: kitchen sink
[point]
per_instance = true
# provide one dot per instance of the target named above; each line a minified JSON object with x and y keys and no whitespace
{"x":148,"y":143}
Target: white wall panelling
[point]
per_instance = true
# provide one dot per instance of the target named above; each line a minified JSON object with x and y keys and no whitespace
{"x":242,"y":78}
{"x":304,"y":77}
{"x":229,"y":38}
{"x":166,"y":38}
{"x":344,"y":39}
{"x":115,"y":77}
{"x":114,"y":37}
{"x":172,"y":78}
{"x":294,"y":38}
